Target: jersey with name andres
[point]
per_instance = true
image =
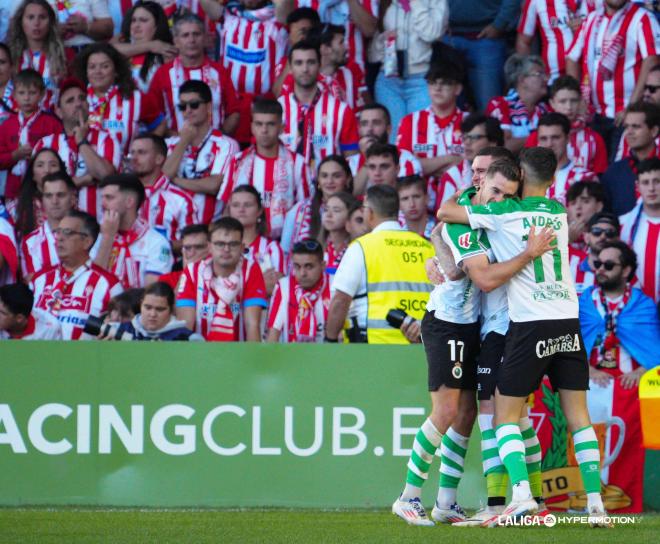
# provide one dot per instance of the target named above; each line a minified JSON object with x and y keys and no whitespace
{"x":544,"y":288}
{"x":458,"y":301}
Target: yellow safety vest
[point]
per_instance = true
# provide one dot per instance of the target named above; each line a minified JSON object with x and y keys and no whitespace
{"x":396,"y":278}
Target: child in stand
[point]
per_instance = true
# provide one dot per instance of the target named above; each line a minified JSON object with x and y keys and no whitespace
{"x":22,"y":130}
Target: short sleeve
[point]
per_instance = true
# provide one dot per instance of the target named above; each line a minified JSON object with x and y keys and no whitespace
{"x":351,"y":271}
{"x":159,"y":260}
{"x":254,"y":289}
{"x":463,"y":242}
{"x":151,"y":114}
{"x":482,"y":217}
{"x":649,"y":36}
{"x":185,"y":293}
{"x":348,"y":139}
{"x":277,"y":308}
{"x":527,"y":25}
{"x":404,"y":136}
{"x":230,"y":102}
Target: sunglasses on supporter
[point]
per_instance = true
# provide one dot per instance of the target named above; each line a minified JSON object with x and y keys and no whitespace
{"x":598,"y":231}
{"x":194,"y":104}
{"x":309,"y":245}
{"x":651,"y":88}
{"x":607,"y":265}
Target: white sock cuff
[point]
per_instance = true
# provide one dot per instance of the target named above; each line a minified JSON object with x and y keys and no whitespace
{"x":485,"y":421}
{"x":433,"y":435}
{"x":457,"y":438}
{"x":585,"y":435}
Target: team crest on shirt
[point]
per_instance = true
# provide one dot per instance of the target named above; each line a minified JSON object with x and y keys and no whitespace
{"x":457,"y":371}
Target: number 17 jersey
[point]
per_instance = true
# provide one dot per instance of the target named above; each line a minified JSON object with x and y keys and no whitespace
{"x":544,"y":289}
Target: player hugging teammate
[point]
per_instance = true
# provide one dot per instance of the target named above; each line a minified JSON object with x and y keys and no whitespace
{"x":504,"y":285}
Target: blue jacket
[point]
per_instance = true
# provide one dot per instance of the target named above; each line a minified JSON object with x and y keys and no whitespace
{"x":619,"y":185}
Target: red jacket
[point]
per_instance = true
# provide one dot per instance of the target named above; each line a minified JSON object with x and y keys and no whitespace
{"x":45,"y":124}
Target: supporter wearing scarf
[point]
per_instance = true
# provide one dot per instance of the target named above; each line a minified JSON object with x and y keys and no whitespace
{"x":226,"y":290}
{"x":121,"y":263}
{"x":303,"y":322}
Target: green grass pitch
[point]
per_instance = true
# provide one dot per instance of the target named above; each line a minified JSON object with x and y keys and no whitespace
{"x":46,"y":526}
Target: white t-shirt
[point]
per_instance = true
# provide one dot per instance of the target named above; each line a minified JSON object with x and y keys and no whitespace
{"x":544,"y":289}
{"x":351,"y":276}
{"x":89,"y":9}
{"x":41,"y":326}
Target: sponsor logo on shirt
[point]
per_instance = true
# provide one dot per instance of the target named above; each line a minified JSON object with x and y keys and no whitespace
{"x":320,"y":139}
{"x":246,"y":57}
{"x":113,"y":124}
{"x":551,"y":292}
{"x":423,"y":148}
{"x":464,"y":240}
{"x":562,"y":344}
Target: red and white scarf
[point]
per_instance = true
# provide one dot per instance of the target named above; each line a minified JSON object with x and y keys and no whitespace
{"x":609,"y":344}
{"x":302,"y":312}
{"x":121,"y":263}
{"x":302,"y":222}
{"x":24,"y":126}
{"x":283,"y":184}
{"x":226,"y":290}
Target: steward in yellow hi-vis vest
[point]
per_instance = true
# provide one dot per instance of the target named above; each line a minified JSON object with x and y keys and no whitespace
{"x":396,"y":278}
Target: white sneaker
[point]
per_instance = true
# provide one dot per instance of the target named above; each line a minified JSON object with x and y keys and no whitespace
{"x":515,"y":509}
{"x":411,"y":511}
{"x":478,"y":517}
{"x":453,"y":514}
{"x":597,"y":518}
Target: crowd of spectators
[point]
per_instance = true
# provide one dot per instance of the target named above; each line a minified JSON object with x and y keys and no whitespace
{"x":197,"y":169}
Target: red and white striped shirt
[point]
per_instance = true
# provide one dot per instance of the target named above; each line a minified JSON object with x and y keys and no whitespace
{"x":268,"y":254}
{"x":583,"y":276}
{"x":167,"y":208}
{"x":408,"y":163}
{"x":38,"y":60}
{"x":631,"y":33}
{"x":139,"y":252}
{"x":450,"y":182}
{"x":38,"y":251}
{"x":565,"y":177}
{"x":513,"y":116}
{"x":137,"y":62}
{"x":286,"y":308}
{"x":65,"y":146}
{"x":347,"y":84}
{"x":9,"y":252}
{"x":251,"y":50}
{"x":40,"y":326}
{"x":339,"y":14}
{"x":586,"y":148}
{"x":196,"y":290}
{"x":73,"y":296}
{"x":281,"y":181}
{"x":210,"y":158}
{"x":552,"y":18}
{"x":642,"y":233}
{"x":325,"y":127}
{"x":169,"y":77}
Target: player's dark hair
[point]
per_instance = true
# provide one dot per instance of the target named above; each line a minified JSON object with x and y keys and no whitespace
{"x":265,"y":105}
{"x":18,"y":298}
{"x":554,"y":118}
{"x":197,"y":87}
{"x":89,"y":222}
{"x":594,"y":190}
{"x":506,"y":168}
{"x":160,"y":289}
{"x":539,"y":165}
{"x":29,"y":78}
{"x":564,"y":83}
{"x":497,"y":152}
{"x":308,"y":246}
{"x":414,"y":180}
{"x":227,"y":224}
{"x":195,"y":229}
{"x":262,"y":224}
{"x":378,"y":149}
{"x":305,"y":45}
{"x":384,"y":201}
{"x":628,"y":255}
{"x":127,"y":183}
{"x":648,"y":165}
{"x":377,"y":106}
{"x":494,"y":132}
{"x":159,"y":142}
{"x":60,"y":176}
{"x":651,"y":112}
{"x":304,"y":14}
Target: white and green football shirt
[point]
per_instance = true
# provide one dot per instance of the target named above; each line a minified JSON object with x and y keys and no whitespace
{"x":459,"y":301}
{"x":544,"y":288}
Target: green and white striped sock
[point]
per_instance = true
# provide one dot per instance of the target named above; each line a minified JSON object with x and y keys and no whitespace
{"x":588,"y":458}
{"x":425,"y":445}
{"x":490,"y":457}
{"x":532,"y":457}
{"x":512,"y":452}
{"x":453,"y":449}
